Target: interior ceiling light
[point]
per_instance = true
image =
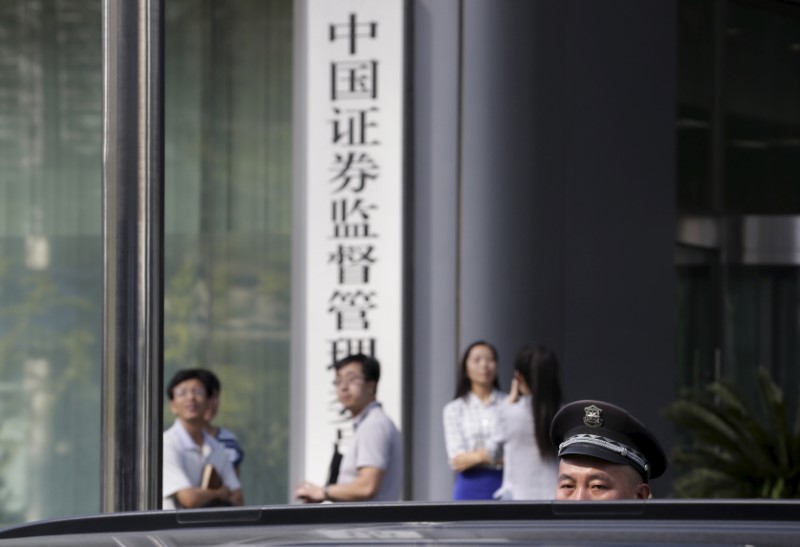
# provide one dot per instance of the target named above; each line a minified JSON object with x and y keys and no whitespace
{"x":744,"y":143}
{"x":691,"y":123}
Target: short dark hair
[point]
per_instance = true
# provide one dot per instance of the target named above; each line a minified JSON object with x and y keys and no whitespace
{"x":370,"y":366}
{"x":189,"y":374}
{"x":213,"y":381}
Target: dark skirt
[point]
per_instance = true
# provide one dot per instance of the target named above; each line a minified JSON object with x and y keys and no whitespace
{"x":478,"y":483}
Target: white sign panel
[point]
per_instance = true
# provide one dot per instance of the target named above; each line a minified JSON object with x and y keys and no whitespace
{"x":353,"y":210}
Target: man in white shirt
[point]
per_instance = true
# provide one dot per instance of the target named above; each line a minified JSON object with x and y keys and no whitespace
{"x":189,"y":451}
{"x":372,"y":468}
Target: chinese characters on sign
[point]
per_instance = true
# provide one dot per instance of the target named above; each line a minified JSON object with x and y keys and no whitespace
{"x":354,"y":200}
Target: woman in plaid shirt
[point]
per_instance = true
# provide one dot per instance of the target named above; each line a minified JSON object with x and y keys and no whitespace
{"x":470,"y":420}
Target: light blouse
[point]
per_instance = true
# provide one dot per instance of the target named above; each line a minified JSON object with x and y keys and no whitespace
{"x":469,"y":422}
{"x":526,"y":476}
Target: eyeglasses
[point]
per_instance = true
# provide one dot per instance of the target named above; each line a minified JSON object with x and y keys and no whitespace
{"x":349,"y":380}
{"x":182,"y":392}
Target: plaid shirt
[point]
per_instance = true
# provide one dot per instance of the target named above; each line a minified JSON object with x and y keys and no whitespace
{"x":469,"y":423}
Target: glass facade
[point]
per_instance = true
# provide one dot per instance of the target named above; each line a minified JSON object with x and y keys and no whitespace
{"x":762,"y":108}
{"x":763,"y":316}
{"x":695,"y":188}
{"x":738,"y":108}
{"x":228,"y":219}
{"x":698,"y":330}
{"x":51,"y":257}
{"x":738,"y":160}
{"x":227,"y":241}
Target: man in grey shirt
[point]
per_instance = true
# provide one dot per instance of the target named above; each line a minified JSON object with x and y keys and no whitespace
{"x":372,"y":469}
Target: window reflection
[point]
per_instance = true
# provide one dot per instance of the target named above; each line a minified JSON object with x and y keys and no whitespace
{"x":739,"y":166}
{"x":50,"y":258}
{"x":762,"y":108}
{"x":228,"y":219}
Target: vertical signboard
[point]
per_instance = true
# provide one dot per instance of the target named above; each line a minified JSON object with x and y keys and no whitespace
{"x":353,"y":285}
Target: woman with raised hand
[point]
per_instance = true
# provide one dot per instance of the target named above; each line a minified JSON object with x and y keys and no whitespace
{"x":522,"y":434}
{"x":469,"y":422}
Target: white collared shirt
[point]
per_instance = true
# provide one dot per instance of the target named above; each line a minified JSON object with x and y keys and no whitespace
{"x":184,"y":461}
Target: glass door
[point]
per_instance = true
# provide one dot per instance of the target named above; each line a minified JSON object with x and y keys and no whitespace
{"x":699,"y":329}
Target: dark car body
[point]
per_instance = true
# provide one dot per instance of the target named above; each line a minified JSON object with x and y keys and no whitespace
{"x":652,"y":522}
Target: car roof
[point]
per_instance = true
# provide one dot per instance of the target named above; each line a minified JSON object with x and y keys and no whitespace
{"x":650,"y":522}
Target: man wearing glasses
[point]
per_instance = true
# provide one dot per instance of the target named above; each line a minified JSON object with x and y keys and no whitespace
{"x":197,"y":471}
{"x":372,"y":468}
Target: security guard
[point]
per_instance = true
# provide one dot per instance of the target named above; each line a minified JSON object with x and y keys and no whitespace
{"x":605,"y":453}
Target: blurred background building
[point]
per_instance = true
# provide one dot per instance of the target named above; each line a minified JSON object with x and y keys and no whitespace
{"x":619,"y":180}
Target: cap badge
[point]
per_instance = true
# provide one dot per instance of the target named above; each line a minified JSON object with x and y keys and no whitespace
{"x":592,"y":416}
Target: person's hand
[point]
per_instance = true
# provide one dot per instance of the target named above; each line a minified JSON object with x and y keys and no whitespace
{"x":465,"y":460}
{"x":513,"y":393}
{"x":223,"y":493}
{"x":310,"y":493}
